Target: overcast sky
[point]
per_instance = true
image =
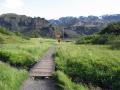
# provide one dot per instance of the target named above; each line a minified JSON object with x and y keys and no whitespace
{"x":59,"y":8}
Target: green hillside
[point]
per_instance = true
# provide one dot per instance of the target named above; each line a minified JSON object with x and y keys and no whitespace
{"x":9,"y":37}
{"x":27,"y":26}
{"x":19,"y":51}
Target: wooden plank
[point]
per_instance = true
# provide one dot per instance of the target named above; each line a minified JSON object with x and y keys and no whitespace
{"x":45,"y":67}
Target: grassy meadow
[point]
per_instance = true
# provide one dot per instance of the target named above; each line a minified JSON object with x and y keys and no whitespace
{"x":79,"y":67}
{"x":98,"y":65}
{"x":20,"y":55}
{"x":24,"y":54}
{"x":17,"y":55}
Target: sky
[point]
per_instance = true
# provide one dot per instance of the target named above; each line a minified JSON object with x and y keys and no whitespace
{"x":54,"y":9}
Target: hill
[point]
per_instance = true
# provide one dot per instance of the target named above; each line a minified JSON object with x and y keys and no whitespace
{"x":7,"y":36}
{"x":85,"y":25}
{"x":28,"y":26}
{"x":70,"y":27}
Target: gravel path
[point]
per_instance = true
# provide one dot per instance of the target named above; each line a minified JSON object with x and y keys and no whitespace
{"x":41,"y":83}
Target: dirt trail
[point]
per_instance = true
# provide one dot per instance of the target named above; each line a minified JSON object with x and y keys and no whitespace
{"x":41,"y":83}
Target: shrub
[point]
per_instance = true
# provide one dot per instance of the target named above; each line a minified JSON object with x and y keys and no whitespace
{"x":86,"y":39}
{"x":103,"y":39}
{"x":112,"y":28}
{"x":115,"y":44}
{"x":5,"y":31}
{"x":1,"y":40}
{"x":100,"y":39}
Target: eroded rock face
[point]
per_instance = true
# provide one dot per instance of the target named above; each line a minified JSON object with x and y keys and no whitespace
{"x":24,"y":24}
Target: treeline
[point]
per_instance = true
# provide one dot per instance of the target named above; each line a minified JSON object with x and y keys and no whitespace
{"x":109,"y":35}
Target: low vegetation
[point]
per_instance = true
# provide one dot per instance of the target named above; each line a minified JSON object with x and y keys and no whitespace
{"x":116,"y":44}
{"x":109,"y":35}
{"x":8,"y":37}
{"x":96,"y":64}
{"x":63,"y":82}
{"x":11,"y":78}
{"x":112,"y":28}
{"x":22,"y":54}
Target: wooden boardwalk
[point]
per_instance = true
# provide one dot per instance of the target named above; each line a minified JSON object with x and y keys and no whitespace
{"x":45,"y":67}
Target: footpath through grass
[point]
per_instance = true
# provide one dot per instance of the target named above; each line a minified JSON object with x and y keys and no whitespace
{"x":22,"y":56}
{"x":20,"y":52}
{"x":96,"y":64}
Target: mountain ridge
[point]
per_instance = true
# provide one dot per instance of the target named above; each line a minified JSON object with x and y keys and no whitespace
{"x":70,"y":27}
{"x":26,"y":25}
{"x":85,"y":25}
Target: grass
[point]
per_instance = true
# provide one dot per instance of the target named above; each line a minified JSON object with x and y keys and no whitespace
{"x":24,"y":54}
{"x":9,"y":37}
{"x":63,"y":82}
{"x":96,"y":64}
{"x":11,"y":78}
{"x":21,"y":55}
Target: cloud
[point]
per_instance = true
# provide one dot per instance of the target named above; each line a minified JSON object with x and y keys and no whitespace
{"x":13,"y":4}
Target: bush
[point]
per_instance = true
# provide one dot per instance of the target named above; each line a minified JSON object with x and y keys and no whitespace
{"x":94,"y":39}
{"x":103,"y":39}
{"x":1,"y":40}
{"x":5,"y":31}
{"x":115,"y":44}
{"x":112,"y":28}
{"x":86,"y":39}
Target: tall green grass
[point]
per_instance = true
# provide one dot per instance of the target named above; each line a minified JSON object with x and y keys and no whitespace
{"x":11,"y":78}
{"x":21,"y":53}
{"x":96,"y":64}
{"x":24,"y":54}
{"x":65,"y":83}
{"x":9,"y":37}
